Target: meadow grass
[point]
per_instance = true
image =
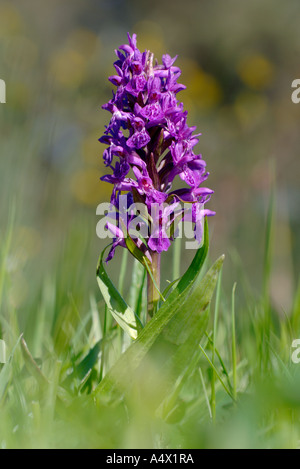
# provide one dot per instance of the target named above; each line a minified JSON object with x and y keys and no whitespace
{"x":240,"y":390}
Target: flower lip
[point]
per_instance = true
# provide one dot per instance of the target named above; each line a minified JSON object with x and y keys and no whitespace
{"x":138,"y":140}
{"x":137,"y":67}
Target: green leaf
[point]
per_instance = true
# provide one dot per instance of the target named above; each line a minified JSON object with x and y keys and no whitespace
{"x":165,"y":326}
{"x":181,"y":364}
{"x":132,"y":247}
{"x":86,"y":365}
{"x":116,"y":305}
{"x":179,"y":341}
{"x":135,"y":251}
{"x":140,"y":256}
{"x":169,"y":287}
{"x":191,"y":275}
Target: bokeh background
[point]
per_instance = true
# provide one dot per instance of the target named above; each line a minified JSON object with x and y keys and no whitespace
{"x":238,"y":60}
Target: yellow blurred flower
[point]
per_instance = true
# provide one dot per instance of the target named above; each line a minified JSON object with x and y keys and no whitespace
{"x":256,"y":71}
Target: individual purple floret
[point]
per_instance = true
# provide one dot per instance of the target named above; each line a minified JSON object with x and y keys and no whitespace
{"x":150,"y":144}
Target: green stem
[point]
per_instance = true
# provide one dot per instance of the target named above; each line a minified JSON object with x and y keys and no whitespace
{"x":153,"y":290}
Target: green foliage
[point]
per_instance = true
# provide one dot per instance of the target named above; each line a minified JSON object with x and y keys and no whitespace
{"x":180,"y":321}
{"x":121,"y":312}
{"x":189,"y":379}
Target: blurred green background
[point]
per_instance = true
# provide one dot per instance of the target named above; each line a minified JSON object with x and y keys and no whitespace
{"x":238,"y":60}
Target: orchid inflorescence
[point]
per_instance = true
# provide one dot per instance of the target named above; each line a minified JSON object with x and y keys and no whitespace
{"x":149,"y":145}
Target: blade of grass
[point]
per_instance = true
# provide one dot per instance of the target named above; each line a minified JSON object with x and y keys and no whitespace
{"x":268,"y":251}
{"x":205,"y":394}
{"x":123,"y":270}
{"x":267,"y":268}
{"x":216,"y":316}
{"x":217,"y":375}
{"x":222,"y":364}
{"x":103,"y":345}
{"x":6,"y":248}
{"x":32,"y":366}
{"x":234,"y":361}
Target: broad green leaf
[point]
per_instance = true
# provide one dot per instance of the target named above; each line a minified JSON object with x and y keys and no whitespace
{"x":169,"y":287}
{"x":86,"y":365}
{"x":135,"y":251}
{"x":136,"y":352}
{"x":116,"y":305}
{"x":178,"y":366}
{"x":188,"y":309}
{"x":89,"y":361}
{"x":179,"y":342}
{"x":132,"y":247}
{"x":185,"y":361}
{"x":187,"y":281}
{"x":139,"y":254}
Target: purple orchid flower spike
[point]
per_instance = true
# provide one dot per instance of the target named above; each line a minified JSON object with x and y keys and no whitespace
{"x":149,"y":146}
